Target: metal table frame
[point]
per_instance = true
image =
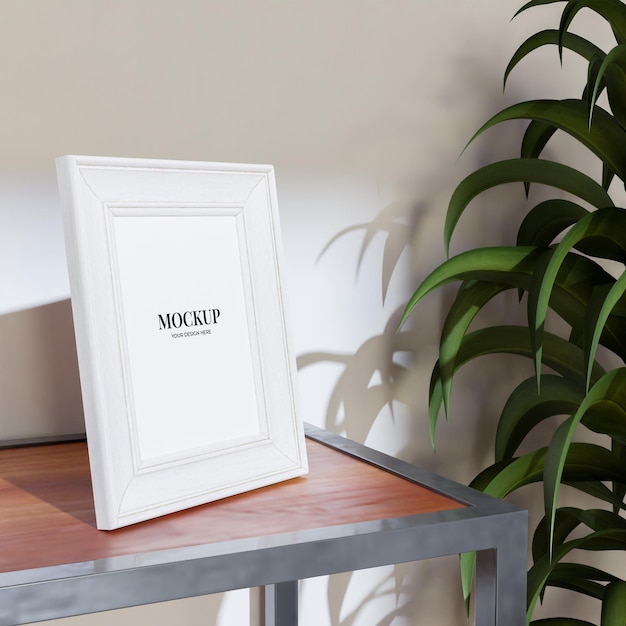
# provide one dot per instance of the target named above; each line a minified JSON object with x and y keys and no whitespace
{"x":496,"y":530}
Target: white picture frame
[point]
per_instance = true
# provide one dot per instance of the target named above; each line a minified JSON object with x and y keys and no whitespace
{"x":187,"y":372}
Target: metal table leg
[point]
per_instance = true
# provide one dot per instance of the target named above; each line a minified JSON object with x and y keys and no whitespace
{"x":281,"y":604}
{"x":501,"y":578}
{"x":486,"y":591}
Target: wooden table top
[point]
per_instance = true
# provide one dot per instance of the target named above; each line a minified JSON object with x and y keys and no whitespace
{"x":47,"y":514}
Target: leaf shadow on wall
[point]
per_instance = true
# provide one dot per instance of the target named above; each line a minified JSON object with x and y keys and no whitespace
{"x":384,"y":383}
{"x":388,"y":369}
{"x":388,"y":375}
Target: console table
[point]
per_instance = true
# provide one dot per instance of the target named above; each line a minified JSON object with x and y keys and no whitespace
{"x":356,"y":509}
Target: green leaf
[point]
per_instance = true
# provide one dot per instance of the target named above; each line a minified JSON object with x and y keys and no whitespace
{"x":588,"y":588}
{"x":521,"y":170}
{"x":598,"y":490}
{"x":597,"y":519}
{"x":607,"y":388}
{"x":471,"y":297}
{"x":515,"y":266}
{"x":547,"y":220}
{"x":474,"y":294}
{"x":590,"y":96}
{"x":607,"y":173}
{"x":536,"y":136}
{"x":597,"y":319}
{"x":607,"y":417}
{"x":435,"y":400}
{"x":578,"y":277}
{"x":536,"y":3}
{"x":614,"y":604}
{"x":573,"y":571}
{"x":575,"y":43}
{"x":584,"y":461}
{"x":618,"y":489}
{"x":605,"y":233}
{"x":610,"y":72}
{"x":565,"y":521}
{"x":560,"y":621}
{"x":493,"y":263}
{"x":613,"y":11}
{"x":568,"y":519}
{"x":500,"y":479}
{"x":580,"y":578}
{"x":537,"y":295}
{"x":539,"y":573}
{"x":559,"y":354}
{"x":468,"y":560}
{"x":616,"y":90}
{"x":606,"y":138}
{"x":616,"y":57}
{"x":525,"y":408}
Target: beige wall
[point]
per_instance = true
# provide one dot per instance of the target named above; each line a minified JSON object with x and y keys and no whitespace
{"x":359,"y":104}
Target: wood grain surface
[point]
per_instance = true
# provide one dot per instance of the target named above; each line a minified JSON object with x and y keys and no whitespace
{"x":47,"y":514}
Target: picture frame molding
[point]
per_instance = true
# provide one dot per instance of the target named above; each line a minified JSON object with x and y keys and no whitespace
{"x":122,"y":218}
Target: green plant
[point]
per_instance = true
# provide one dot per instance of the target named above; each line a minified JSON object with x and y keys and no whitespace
{"x":558,"y":265}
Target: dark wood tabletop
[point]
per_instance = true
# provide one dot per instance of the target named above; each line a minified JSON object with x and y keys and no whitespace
{"x":47,"y":514}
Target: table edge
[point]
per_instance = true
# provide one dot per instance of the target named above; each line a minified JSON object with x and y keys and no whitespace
{"x":484,"y":510}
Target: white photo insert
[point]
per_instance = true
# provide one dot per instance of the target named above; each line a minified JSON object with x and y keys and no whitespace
{"x":187,"y":373}
{"x":191,"y":337}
